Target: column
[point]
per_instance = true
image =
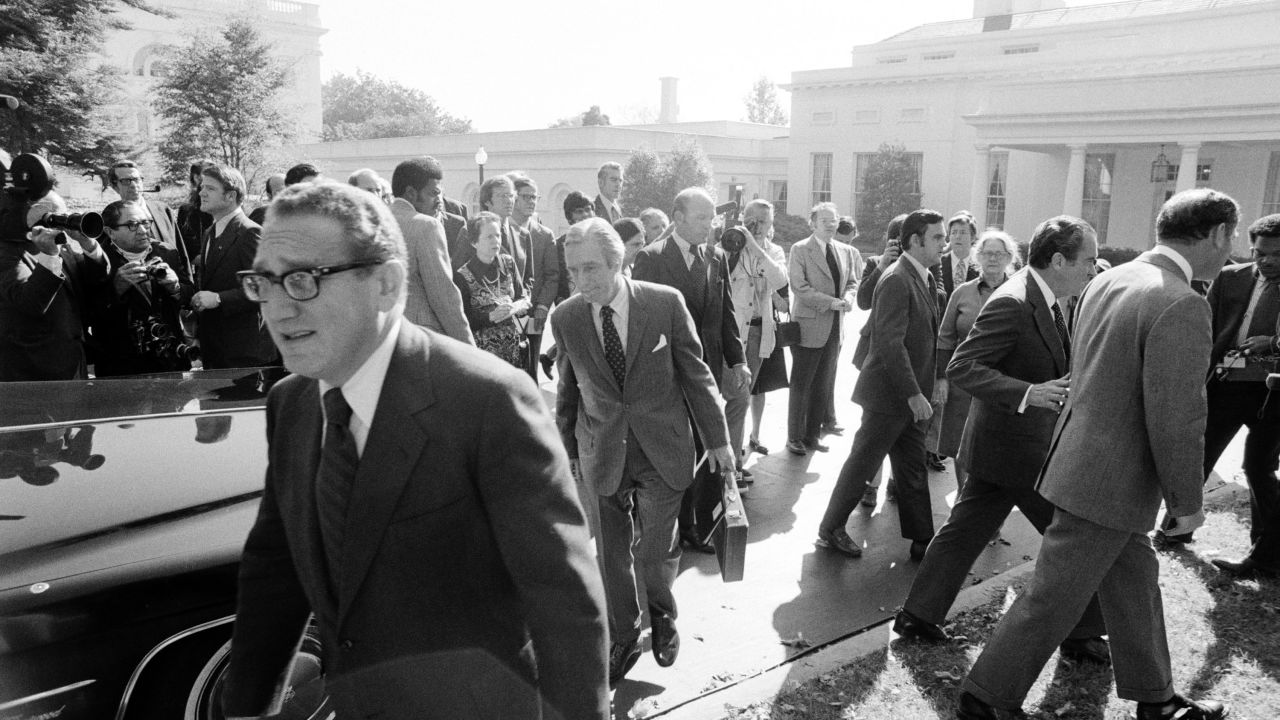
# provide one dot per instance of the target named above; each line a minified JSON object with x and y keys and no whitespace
{"x":1073,"y":195}
{"x":978,"y":191}
{"x":1187,"y":166}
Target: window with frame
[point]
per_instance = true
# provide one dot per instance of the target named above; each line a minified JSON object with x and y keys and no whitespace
{"x":862,"y":162}
{"x":997,"y":177}
{"x":1099,"y":170}
{"x":778,"y":194}
{"x":821,"y":178}
{"x":1271,"y":192}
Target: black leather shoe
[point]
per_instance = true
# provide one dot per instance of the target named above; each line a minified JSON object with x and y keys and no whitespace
{"x":666,"y":639}
{"x":832,"y":429}
{"x":689,"y":541}
{"x":934,"y":461}
{"x":757,"y":448}
{"x":1183,"y":709}
{"x":917,"y":549}
{"x":869,"y":497}
{"x":971,"y":708}
{"x":548,"y":365}
{"x":839,"y":541}
{"x":891,"y":491}
{"x":816,"y":445}
{"x":1245,"y":567}
{"x":1090,"y":650}
{"x":796,"y":447}
{"x":909,"y":626}
{"x":1171,"y":542}
{"x":622,"y":657}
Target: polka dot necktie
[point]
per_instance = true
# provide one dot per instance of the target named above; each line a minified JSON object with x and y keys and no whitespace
{"x":613,"y":351}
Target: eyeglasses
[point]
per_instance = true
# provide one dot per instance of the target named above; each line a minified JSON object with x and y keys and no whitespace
{"x":527,"y":198}
{"x":135,"y":225}
{"x":299,"y":285}
{"x":993,"y":254}
{"x":129,"y":180}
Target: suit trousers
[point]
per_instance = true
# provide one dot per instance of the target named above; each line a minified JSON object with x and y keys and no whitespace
{"x":1079,"y":558}
{"x":736,"y":403}
{"x":902,"y":440}
{"x":532,"y":352}
{"x":813,"y":378}
{"x":638,"y":538}
{"x":978,"y":513}
{"x":1231,"y":406}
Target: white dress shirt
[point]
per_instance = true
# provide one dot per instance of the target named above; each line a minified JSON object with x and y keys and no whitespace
{"x":364,"y":387}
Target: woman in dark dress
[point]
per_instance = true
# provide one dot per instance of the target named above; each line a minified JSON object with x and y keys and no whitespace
{"x":491,"y":297}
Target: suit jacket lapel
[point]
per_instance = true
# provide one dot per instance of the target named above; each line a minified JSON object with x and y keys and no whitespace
{"x":1042,"y":315}
{"x":396,"y":441}
{"x":1239,"y":296}
{"x":635,"y":328}
{"x":818,"y":259}
{"x":584,"y":324}
{"x":227,"y":240}
{"x":302,"y":462}
{"x":676,"y":266}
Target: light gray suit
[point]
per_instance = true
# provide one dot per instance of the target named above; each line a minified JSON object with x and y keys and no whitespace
{"x":634,"y":443}
{"x":433,"y":300}
{"x":813,"y":375}
{"x":1131,"y":434}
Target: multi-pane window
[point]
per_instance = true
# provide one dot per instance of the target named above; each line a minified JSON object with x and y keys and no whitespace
{"x":1271,"y":191}
{"x":1099,"y":170}
{"x":821,"y":177}
{"x":997,"y":176}
{"x":778,"y":194}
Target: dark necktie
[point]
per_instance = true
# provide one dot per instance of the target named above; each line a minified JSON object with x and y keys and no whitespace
{"x":338,"y":462}
{"x":613,"y":351}
{"x":1061,"y":323}
{"x":1265,"y":312}
{"x":698,"y":276}
{"x":834,"y":267}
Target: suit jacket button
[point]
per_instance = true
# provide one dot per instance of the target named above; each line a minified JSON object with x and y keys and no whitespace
{"x":347,"y":644}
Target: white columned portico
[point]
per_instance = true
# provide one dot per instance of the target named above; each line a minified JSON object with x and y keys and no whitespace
{"x":1187,"y":166}
{"x":1073,"y":195}
{"x":978,"y":191}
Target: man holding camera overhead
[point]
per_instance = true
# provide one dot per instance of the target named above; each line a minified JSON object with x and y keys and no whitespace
{"x":45,"y":283}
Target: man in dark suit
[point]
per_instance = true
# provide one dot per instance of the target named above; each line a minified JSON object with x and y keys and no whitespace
{"x":135,"y":322}
{"x":46,"y":289}
{"x":453,"y":207}
{"x":1141,"y":329}
{"x":542,"y":265}
{"x":631,"y":376}
{"x":700,"y":271}
{"x":823,"y":276}
{"x":609,"y":180}
{"x":1245,"y":300}
{"x":894,"y":388}
{"x":417,"y":501}
{"x":126,"y":179}
{"x":228,"y":326}
{"x":1015,"y":364}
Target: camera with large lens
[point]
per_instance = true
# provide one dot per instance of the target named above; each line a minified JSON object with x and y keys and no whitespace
{"x":733,"y":240}
{"x":156,"y":271}
{"x":27,"y":181}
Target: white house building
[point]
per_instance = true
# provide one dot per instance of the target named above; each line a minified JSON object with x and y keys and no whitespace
{"x":1031,"y":109}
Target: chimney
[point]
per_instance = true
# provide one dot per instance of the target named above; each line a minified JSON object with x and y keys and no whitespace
{"x":669,"y":111}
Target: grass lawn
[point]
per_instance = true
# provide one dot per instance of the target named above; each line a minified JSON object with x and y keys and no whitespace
{"x":1224,"y":638}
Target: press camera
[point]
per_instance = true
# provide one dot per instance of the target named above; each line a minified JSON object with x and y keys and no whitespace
{"x":25,"y":182}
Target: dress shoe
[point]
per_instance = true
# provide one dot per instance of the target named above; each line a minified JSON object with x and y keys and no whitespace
{"x":757,"y":448}
{"x":816,"y":445}
{"x":547,"y":365}
{"x":934,"y":461}
{"x":746,"y":474}
{"x":832,"y":429}
{"x":1183,"y":709}
{"x":622,"y":657}
{"x":971,"y":708}
{"x":1090,"y":650}
{"x":839,"y":541}
{"x":689,"y":540}
{"x":1246,"y":567}
{"x":796,"y":447}
{"x":909,"y":626}
{"x":917,"y":549}
{"x":665,"y":639}
{"x":891,"y":490}
{"x":1172,"y":542}
{"x":869,"y":496}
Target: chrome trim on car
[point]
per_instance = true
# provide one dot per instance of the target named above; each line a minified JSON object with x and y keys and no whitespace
{"x":137,"y":672}
{"x":46,"y":694}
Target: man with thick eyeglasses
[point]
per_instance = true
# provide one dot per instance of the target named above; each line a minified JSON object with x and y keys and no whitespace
{"x":127,"y":180}
{"x":418,"y":499}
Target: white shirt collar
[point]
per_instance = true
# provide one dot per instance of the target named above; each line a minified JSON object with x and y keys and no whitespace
{"x":686,"y":249}
{"x":924,"y":271}
{"x":621,"y":304}
{"x":1176,"y":257}
{"x":220,"y":226}
{"x":1044,"y":286}
{"x":822,"y":244}
{"x":364,"y":387}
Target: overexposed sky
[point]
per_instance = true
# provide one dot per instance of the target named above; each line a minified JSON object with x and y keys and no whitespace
{"x":511,"y":65}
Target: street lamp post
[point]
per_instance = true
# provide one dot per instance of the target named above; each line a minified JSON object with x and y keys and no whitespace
{"x":482,"y":157}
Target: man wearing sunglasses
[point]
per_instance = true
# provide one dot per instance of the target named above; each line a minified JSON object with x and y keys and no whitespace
{"x":418,"y":499}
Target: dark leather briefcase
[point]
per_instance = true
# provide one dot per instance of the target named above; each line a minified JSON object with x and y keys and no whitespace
{"x":729,"y":534}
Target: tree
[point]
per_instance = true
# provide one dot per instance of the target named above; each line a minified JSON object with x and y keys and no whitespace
{"x":219,"y":100}
{"x":48,"y":60}
{"x":762,"y":104}
{"x":653,"y":180}
{"x":364,"y":106}
{"x":891,"y":187}
{"x":592,"y":116}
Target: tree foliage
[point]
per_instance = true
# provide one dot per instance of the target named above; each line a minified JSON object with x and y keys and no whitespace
{"x":48,"y":61}
{"x":592,"y":116}
{"x":653,"y":180}
{"x":365,"y":106}
{"x":762,"y":104}
{"x":891,"y":187}
{"x":219,"y":100}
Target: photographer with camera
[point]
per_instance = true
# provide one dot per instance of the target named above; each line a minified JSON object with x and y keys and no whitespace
{"x":45,"y":286}
{"x":135,"y":327}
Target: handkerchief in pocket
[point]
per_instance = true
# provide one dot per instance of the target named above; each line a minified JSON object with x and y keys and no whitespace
{"x":662,"y":342}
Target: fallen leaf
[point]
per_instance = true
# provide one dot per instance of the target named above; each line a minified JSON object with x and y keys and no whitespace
{"x":1063,"y":710}
{"x":945,"y":675}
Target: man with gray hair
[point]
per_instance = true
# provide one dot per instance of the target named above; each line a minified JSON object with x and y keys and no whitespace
{"x":631,"y":377}
{"x":609,"y":180}
{"x":417,"y":500}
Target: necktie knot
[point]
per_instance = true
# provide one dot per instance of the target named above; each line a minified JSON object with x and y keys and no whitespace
{"x":336,"y":409}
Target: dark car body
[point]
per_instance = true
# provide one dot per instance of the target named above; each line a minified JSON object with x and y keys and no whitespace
{"x":124,"y":506}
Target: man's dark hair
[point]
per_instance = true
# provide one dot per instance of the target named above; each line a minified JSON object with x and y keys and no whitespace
{"x":111,"y":174}
{"x":1062,"y":234}
{"x":894,"y":231}
{"x":521,"y":181}
{"x":493,"y":183}
{"x":628,"y":228}
{"x":111,"y":213}
{"x":1191,"y":215}
{"x":846,"y":226}
{"x":1268,"y":227}
{"x":573,"y":202}
{"x":915,"y":224}
{"x":415,"y":173}
{"x":300,"y":172}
